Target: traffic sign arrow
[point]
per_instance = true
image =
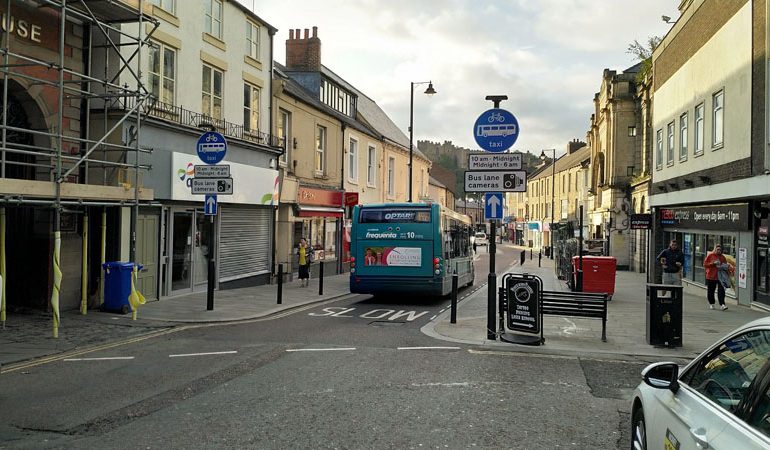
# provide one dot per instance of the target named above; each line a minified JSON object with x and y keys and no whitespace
{"x":494,"y":202}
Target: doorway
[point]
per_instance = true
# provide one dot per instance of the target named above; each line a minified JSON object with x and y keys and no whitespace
{"x":189,"y":243}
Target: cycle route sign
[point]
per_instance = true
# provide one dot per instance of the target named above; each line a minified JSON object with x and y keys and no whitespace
{"x":496,"y":130}
{"x":211,"y":147}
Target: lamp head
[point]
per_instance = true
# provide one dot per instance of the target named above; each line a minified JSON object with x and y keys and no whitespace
{"x":666,"y":19}
{"x":542,"y":155}
{"x":430,"y":90}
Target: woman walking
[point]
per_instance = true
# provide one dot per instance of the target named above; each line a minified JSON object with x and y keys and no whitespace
{"x":716,"y":267}
{"x":305,"y":254}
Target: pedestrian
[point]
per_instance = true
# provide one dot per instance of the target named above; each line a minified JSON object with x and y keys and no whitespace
{"x":672,"y":259}
{"x":717,"y":276}
{"x":305,"y":253}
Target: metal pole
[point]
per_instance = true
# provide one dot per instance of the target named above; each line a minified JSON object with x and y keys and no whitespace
{"x":212,"y":268}
{"x":453,"y":318}
{"x":321,"y":278}
{"x":553,"y":198}
{"x":579,"y":279}
{"x":280,"y":283}
{"x":5,"y":89}
{"x":411,"y":135}
{"x":491,"y":287}
{"x":84,"y":276}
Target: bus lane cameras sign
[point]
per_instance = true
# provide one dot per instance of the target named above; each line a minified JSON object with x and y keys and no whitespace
{"x":523,"y":306}
{"x":495,"y":181}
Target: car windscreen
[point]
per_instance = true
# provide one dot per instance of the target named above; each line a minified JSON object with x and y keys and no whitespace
{"x":395,"y":215}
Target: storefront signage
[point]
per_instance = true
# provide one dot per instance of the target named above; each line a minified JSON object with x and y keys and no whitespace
{"x":351,"y":198}
{"x":641,"y":221}
{"x":721,"y":217}
{"x":523,"y":305}
{"x":21,"y":28}
{"x":319,"y":197}
{"x":742,"y":266}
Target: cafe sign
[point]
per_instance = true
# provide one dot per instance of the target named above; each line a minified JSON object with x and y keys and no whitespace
{"x":720,"y":217}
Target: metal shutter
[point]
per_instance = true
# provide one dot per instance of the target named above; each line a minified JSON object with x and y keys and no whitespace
{"x":245,"y":235}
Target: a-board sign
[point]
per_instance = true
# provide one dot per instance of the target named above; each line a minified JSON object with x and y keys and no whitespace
{"x":496,"y":181}
{"x":212,"y":186}
{"x":494,"y":161}
{"x":523,"y":304}
{"x":641,"y":221}
{"x":212,"y":171}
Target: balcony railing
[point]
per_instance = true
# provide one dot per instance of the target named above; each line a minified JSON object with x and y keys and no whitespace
{"x":185,"y":117}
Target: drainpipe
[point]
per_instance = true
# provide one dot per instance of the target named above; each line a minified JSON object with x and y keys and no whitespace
{"x":340,"y":223}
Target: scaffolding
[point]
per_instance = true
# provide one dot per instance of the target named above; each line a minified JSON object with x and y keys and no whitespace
{"x":63,"y":157}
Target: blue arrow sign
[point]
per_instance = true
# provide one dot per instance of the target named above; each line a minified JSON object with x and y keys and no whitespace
{"x":496,"y":130}
{"x":210,"y":205}
{"x":211,"y":147}
{"x":493,"y":206}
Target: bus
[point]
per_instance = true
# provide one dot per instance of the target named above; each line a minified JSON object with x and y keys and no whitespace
{"x":409,"y":248}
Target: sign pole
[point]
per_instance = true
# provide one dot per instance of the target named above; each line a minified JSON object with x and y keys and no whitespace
{"x":491,"y":285}
{"x":212,"y":268}
{"x":579,"y":275}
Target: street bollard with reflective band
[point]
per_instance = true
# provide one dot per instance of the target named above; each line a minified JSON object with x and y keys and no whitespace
{"x":280,"y":283}
{"x":453,"y":318}
{"x":321,"y":278}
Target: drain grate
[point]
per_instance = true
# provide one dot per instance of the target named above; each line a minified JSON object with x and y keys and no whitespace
{"x":386,"y":323}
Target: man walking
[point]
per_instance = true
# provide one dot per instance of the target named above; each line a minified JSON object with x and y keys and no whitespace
{"x":672,"y":259}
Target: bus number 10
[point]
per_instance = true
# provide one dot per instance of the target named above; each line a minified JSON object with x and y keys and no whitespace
{"x":410,"y":234}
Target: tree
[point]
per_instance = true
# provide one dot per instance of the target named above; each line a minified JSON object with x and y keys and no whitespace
{"x":643,"y":52}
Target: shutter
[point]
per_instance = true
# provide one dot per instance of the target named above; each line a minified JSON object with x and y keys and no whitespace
{"x":245,"y":237}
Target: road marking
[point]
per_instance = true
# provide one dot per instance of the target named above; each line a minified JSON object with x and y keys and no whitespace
{"x":110,"y":358}
{"x":319,"y":349}
{"x":429,"y":348}
{"x":229,"y":352}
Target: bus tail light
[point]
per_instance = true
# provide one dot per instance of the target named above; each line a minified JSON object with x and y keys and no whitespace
{"x":438,"y":272}
{"x":352,"y":270}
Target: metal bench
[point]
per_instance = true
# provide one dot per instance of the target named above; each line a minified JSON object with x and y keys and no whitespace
{"x":576,"y":304}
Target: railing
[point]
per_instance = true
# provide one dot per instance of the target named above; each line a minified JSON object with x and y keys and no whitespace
{"x":185,"y":117}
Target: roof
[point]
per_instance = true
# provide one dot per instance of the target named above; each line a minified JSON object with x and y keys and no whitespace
{"x":565,"y":162}
{"x":435,"y":182}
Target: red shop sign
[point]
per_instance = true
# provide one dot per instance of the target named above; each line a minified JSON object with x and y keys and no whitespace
{"x":351,"y":198}
{"x":319,"y":197}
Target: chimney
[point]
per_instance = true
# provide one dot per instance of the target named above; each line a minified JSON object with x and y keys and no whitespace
{"x":303,"y":54}
{"x":575,"y":145}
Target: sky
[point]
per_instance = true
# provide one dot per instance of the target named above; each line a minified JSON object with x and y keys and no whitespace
{"x":547,"y":56}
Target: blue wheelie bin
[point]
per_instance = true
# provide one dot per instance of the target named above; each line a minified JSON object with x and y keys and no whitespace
{"x":117,"y":286}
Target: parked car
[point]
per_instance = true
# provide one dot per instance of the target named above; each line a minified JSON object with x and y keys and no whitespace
{"x":481,"y":239}
{"x":720,"y":400}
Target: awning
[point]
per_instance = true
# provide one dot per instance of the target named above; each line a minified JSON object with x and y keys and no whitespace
{"x":319,"y":211}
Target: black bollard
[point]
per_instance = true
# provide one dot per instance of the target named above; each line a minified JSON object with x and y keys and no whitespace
{"x":453,"y":318}
{"x":280,"y":283}
{"x":530,"y":254}
{"x":522,"y":258}
{"x":321,"y":278}
{"x":539,"y":258}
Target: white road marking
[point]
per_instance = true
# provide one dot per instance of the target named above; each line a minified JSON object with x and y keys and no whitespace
{"x":229,"y":352}
{"x":110,"y":358}
{"x":429,"y":348}
{"x":319,"y":349}
{"x":464,"y":384}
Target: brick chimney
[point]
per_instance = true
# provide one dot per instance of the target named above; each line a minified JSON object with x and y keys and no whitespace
{"x":303,"y":54}
{"x":575,"y":145}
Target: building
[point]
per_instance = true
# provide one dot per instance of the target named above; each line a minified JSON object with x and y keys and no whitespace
{"x":442,"y":186}
{"x":640,"y":182}
{"x":711,"y":175}
{"x":474,"y":209}
{"x":203,"y":73}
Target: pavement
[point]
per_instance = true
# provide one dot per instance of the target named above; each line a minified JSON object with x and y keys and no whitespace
{"x":26,"y":338}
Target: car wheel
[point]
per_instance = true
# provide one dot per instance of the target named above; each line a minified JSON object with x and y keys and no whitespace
{"x":638,"y":430}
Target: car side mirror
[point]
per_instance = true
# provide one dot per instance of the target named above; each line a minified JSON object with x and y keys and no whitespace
{"x":663,"y":375}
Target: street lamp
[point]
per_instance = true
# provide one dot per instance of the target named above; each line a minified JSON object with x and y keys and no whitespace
{"x":553,"y":190}
{"x":429,"y":91}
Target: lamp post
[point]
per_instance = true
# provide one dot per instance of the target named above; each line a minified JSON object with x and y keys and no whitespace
{"x":429,"y":91}
{"x":553,"y":191}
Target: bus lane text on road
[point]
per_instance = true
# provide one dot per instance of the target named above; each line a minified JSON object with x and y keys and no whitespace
{"x":376,"y":314}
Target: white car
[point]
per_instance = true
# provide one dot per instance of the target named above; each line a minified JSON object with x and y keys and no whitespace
{"x":720,"y":400}
{"x":481,"y":239}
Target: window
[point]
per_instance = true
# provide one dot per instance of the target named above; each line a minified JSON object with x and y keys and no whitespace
{"x":252,"y":39}
{"x":284,"y":133}
{"x":250,"y":108}
{"x":632,"y":131}
{"x":563,"y":183}
{"x":564,"y":208}
{"x":569,"y":182}
{"x":699,"y":134}
{"x":725,"y":374}
{"x":371,"y":166}
{"x":683,"y":137}
{"x":670,"y":144}
{"x":659,"y":149}
{"x":391,"y":176}
{"x":212,"y":92}
{"x":213,"y":17}
{"x":162,"y":72}
{"x":718,"y":116}
{"x":353,"y":161}
{"x":167,"y":5}
{"x":320,"y":149}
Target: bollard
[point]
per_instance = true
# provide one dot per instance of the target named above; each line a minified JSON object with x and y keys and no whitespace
{"x":539,"y":258}
{"x":491,"y":306}
{"x":522,"y":258}
{"x":453,"y":318}
{"x":321,"y":278}
{"x":280,"y":283}
{"x":530,"y":254}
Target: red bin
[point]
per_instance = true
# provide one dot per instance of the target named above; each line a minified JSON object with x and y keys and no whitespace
{"x":598,"y":273}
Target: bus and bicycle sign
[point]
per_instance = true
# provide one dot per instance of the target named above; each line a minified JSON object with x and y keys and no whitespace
{"x":496,"y":130}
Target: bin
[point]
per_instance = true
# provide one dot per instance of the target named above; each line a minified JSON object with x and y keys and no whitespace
{"x":664,"y":315}
{"x":598,"y":273}
{"x":117,"y":286}
{"x":547,"y":251}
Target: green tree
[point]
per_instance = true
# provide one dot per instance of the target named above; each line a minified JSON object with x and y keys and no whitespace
{"x":643,"y":52}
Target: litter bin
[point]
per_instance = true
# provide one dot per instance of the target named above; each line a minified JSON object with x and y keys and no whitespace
{"x":117,"y":286}
{"x":664,"y":315}
{"x":598,"y":273}
{"x":547,"y":251}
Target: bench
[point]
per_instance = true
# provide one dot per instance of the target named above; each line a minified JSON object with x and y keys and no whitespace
{"x":576,"y":304}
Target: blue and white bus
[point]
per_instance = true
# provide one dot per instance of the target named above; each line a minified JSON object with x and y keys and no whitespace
{"x":409,"y":248}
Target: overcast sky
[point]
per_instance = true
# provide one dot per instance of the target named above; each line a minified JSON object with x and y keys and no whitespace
{"x":547,"y":56}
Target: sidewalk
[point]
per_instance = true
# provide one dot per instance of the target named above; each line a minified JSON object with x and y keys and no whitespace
{"x":626,"y":321}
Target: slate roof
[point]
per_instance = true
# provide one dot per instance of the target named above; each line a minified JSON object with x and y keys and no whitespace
{"x":564,"y":162}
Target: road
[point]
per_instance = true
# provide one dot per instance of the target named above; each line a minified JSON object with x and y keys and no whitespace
{"x":351,"y":373}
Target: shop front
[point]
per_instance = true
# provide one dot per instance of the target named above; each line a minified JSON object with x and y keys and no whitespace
{"x":319,"y":218}
{"x":762,"y":274}
{"x":698,"y":229}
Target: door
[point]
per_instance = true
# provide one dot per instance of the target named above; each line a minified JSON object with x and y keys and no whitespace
{"x":181,"y":250}
{"x":147,"y":254}
{"x":204,"y":235}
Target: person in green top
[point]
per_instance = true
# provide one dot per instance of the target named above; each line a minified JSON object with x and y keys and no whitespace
{"x":305,"y":253}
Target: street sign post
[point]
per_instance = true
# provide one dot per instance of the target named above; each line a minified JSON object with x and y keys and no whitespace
{"x":494,"y":161}
{"x":493,"y":206}
{"x":211,"y":147}
{"x":495,"y":181}
{"x":211,"y":186}
{"x":210,"y":205}
{"x":496,"y":130}
{"x":212,"y":171}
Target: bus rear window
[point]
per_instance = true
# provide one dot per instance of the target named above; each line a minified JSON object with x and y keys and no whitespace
{"x":400,"y":215}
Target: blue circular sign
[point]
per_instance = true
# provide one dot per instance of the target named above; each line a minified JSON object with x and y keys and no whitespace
{"x":211,"y":147}
{"x":496,"y":130}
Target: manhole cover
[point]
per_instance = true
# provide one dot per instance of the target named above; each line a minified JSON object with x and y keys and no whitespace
{"x":386,"y":323}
